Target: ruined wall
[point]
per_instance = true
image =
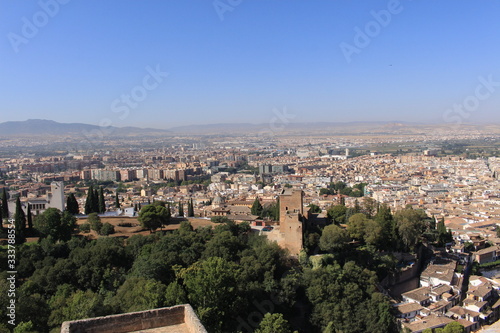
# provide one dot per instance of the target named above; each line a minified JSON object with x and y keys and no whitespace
{"x":134,"y":321}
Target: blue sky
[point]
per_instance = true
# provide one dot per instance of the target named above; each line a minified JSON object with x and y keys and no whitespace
{"x":237,"y":61}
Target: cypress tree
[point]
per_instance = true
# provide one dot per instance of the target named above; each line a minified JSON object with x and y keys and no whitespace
{"x":72,"y":205}
{"x":102,"y":203}
{"x":5,"y":205}
{"x":149,"y":201}
{"x":181,"y":209}
{"x":190,"y":208}
{"x":88,"y":202}
{"x":30,"y":218}
{"x":1,"y":217}
{"x":117,"y":201}
{"x":19,"y":222}
{"x":256,"y":207}
{"x":95,"y":201}
{"x":169,"y":212}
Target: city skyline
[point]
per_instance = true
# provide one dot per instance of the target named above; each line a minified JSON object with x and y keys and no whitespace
{"x":163,"y":65}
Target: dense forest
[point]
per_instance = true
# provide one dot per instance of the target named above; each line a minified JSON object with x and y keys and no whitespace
{"x":231,"y":276}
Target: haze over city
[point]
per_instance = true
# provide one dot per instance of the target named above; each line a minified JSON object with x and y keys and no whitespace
{"x":202,"y":62}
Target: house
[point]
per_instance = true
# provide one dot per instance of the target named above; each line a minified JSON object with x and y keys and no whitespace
{"x":488,"y":254}
{"x":429,"y":322}
{"x":439,"y":272}
{"x":408,"y":310}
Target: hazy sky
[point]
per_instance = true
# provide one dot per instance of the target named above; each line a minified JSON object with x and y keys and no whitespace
{"x":105,"y":62}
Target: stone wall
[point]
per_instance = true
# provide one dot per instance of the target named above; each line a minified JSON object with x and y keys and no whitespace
{"x":135,"y":321}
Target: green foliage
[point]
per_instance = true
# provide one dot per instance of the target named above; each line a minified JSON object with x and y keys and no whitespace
{"x":337,"y":214}
{"x":19,"y":222}
{"x":256,"y":207}
{"x":337,"y":292}
{"x":190,"y":208}
{"x":73,"y":305}
{"x":212,"y":287}
{"x":220,"y":219}
{"x":314,"y":208}
{"x":175,"y":294}
{"x":273,"y":323}
{"x":454,"y":327}
{"x":180,"y":209}
{"x":107,"y":229}
{"x":153,"y":217}
{"x":411,"y":224}
{"x":95,"y":222}
{"x":25,"y":327}
{"x":55,"y":224}
{"x":5,"y":205}
{"x":334,"y":238}
{"x":85,"y":227}
{"x":72,"y":204}
{"x":138,"y":294}
{"x":101,"y":202}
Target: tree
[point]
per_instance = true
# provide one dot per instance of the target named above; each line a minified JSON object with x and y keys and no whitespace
{"x":107,"y":229}
{"x":190,"y":208}
{"x":175,"y":294}
{"x":72,"y":204}
{"x":334,"y":238}
{"x":95,"y":222}
{"x":212,"y":287}
{"x":181,"y":209}
{"x":102,"y":203}
{"x":29,"y":216}
{"x":117,"y":201}
{"x":273,"y":323}
{"x":5,"y":205}
{"x":356,"y":226}
{"x":256,"y":207}
{"x":410,"y":225}
{"x":388,"y":228}
{"x":138,"y":294}
{"x":369,"y":206}
{"x":153,"y":217}
{"x":454,"y":327}
{"x":56,"y":224}
{"x":79,"y":305}
{"x":89,"y":200}
{"x":19,"y":222}
{"x":314,"y":208}
{"x":95,"y":201}
{"x":336,"y":214}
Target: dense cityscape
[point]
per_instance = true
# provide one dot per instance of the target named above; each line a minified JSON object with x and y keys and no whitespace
{"x":409,"y":222}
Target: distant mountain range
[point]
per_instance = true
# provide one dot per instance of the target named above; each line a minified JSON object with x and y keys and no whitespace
{"x":40,"y":127}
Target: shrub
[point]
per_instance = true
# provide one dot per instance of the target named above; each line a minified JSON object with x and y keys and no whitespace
{"x":85,"y":227}
{"x":107,"y":229}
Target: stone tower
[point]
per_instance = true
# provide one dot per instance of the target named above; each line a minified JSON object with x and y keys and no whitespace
{"x":56,"y":198}
{"x":291,"y":216}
